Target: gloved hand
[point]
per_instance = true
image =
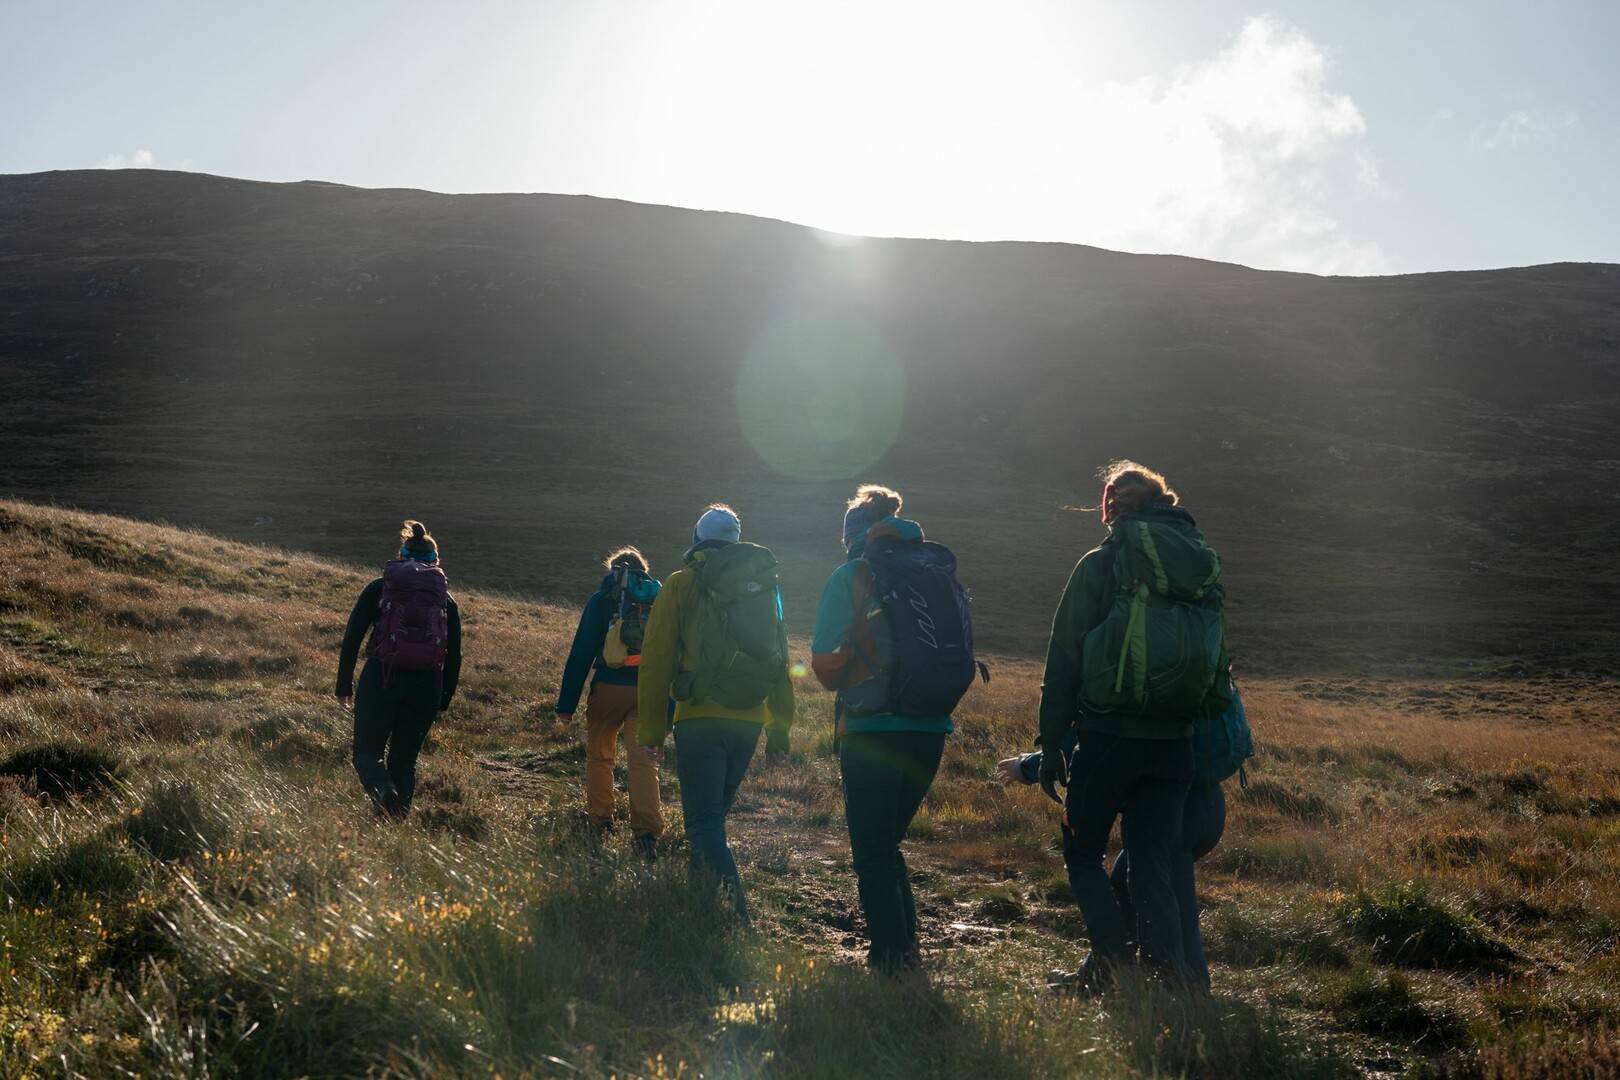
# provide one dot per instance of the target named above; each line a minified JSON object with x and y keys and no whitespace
{"x":1054,"y":771}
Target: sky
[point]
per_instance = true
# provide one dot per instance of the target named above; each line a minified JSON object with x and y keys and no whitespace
{"x":1316,"y":135}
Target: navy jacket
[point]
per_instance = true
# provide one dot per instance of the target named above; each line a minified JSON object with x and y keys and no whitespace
{"x":586,"y":652}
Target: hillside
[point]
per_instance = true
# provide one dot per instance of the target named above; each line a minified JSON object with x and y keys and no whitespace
{"x":1405,"y":474}
{"x":1418,"y":875}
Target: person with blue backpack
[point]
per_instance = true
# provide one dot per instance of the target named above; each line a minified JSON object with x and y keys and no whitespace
{"x":1137,"y":656}
{"x":1220,"y":746}
{"x":607,"y":646}
{"x":413,"y":661}
{"x":894,"y":639}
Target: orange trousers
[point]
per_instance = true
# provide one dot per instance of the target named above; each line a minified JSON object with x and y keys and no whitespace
{"x":610,"y":710}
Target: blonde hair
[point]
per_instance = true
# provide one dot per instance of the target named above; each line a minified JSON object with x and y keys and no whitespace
{"x":629,"y":555}
{"x":723,"y":508}
{"x":1128,"y":486}
{"x":882,"y":501}
{"x":414,"y":537}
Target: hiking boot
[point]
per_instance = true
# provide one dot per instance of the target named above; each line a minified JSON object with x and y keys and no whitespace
{"x":1092,"y":980}
{"x":384,"y":800}
{"x":647,"y":847}
{"x":904,"y":967}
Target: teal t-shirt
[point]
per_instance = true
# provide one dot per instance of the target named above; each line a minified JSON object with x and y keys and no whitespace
{"x":835,"y":615}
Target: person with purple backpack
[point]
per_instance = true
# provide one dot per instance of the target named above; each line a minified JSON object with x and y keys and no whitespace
{"x":413,"y":660}
{"x":894,"y":638}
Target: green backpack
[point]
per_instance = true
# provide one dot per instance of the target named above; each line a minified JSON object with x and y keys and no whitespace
{"x":737,"y":623}
{"x":1158,"y":652}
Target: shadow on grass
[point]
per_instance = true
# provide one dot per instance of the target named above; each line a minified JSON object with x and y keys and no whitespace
{"x":60,"y":770}
{"x":1406,"y":926}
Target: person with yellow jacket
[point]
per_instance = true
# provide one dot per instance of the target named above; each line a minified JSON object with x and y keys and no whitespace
{"x":716,"y":643}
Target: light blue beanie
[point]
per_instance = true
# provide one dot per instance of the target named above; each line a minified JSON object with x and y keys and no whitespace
{"x":717,"y":524}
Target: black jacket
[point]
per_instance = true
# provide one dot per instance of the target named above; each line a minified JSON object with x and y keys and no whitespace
{"x":364,"y":617}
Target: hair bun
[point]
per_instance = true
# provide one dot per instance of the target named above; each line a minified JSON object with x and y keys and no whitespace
{"x":414,"y":535}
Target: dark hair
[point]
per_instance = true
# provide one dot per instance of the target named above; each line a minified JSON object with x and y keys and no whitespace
{"x":414,"y":539}
{"x":629,"y":556}
{"x":880,"y":502}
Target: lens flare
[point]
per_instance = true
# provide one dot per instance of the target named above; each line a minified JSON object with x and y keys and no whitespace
{"x":821,"y":396}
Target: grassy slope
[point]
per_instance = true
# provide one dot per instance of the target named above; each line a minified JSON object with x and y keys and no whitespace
{"x":1420,"y":875}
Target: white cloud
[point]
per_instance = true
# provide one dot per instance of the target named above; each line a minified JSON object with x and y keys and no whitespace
{"x":140,"y":159}
{"x":1368,"y":174}
{"x":1523,"y":126}
{"x":1239,"y":157}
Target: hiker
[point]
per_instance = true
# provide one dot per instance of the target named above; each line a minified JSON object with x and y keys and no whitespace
{"x":894,"y":638}
{"x":1137,"y":650}
{"x":413,"y":659}
{"x":607,"y":646}
{"x":1203,"y":820}
{"x":715,"y":643}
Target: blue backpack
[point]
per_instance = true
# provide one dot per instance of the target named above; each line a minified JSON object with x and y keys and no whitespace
{"x":636,"y":592}
{"x":923,"y":635}
{"x":1222,"y":741}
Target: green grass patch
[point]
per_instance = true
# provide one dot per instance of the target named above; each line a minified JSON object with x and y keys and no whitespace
{"x":177,"y":822}
{"x":97,"y":867}
{"x":1405,"y":925}
{"x":1384,"y":1003}
{"x":1249,"y":936}
{"x":61,"y":770}
{"x":1308,"y":806}
{"x":1286,"y":857}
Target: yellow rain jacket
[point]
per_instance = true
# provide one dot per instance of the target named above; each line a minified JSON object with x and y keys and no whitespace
{"x":672,"y":634}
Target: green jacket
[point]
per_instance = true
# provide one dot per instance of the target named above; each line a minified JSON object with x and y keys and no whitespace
{"x":1085,"y":604}
{"x":671,"y":635}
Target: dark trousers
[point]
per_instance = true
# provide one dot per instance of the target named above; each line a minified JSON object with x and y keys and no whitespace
{"x":1145,"y":781}
{"x":711,"y":758}
{"x":886,"y":776}
{"x":1203,"y":820}
{"x":391,"y":721}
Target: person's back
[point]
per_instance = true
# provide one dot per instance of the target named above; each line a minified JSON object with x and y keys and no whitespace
{"x":726,"y":688}
{"x":899,"y":667}
{"x":607,"y":648}
{"x":1130,"y":760}
{"x":412,"y":629}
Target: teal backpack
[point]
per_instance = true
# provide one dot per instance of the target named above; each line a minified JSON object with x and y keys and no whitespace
{"x":1159,"y":650}
{"x":1222,"y":741}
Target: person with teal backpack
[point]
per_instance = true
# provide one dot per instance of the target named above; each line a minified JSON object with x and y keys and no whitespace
{"x":716,"y":643}
{"x":607,"y":646}
{"x":1137,"y":657}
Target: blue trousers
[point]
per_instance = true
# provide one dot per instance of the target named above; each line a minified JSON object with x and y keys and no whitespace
{"x":1145,"y":783}
{"x":712,"y":756}
{"x":886,"y":777}
{"x":1202,"y":822}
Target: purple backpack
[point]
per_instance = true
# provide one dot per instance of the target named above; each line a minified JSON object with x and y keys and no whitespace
{"x":413,"y":617}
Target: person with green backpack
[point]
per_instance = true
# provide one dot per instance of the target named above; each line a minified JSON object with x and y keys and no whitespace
{"x":716,"y":643}
{"x":607,"y":645}
{"x":1137,"y":656}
